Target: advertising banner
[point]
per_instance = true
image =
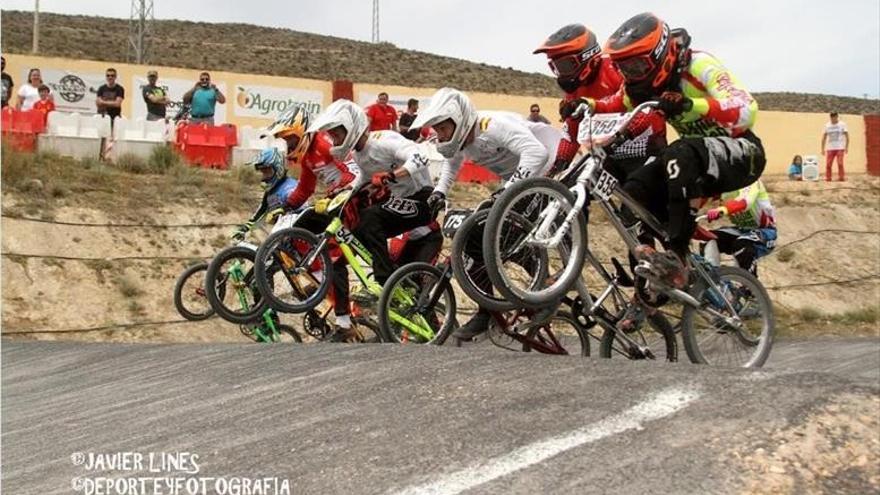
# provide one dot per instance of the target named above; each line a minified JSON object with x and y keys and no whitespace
{"x":74,"y":91}
{"x":174,"y":88}
{"x":267,"y":102}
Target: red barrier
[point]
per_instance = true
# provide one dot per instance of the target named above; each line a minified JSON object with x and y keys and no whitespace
{"x":21,"y":127}
{"x":471,"y":172}
{"x":343,"y":89}
{"x":207,"y":146}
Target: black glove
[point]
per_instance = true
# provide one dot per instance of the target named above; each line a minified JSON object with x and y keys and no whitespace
{"x":568,"y":108}
{"x":559,"y":166}
{"x":435,"y":201}
{"x":673,"y":104}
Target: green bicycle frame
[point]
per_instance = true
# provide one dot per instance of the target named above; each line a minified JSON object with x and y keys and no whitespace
{"x":237,"y":276}
{"x":351,"y":249}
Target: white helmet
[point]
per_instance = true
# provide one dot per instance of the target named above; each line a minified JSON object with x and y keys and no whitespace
{"x":346,"y":114}
{"x":449,"y":103}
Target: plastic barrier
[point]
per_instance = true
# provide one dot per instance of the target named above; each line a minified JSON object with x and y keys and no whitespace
{"x":137,"y":137}
{"x":21,"y":127}
{"x":207,"y":146}
{"x":75,"y":135}
{"x":471,"y":172}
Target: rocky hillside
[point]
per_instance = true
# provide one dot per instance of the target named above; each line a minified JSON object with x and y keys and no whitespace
{"x":282,"y":52}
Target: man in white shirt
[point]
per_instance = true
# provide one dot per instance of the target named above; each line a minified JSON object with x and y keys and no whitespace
{"x":835,"y":143}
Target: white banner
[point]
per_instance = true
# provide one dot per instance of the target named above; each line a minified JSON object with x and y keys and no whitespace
{"x":73,"y":91}
{"x":174,"y":88}
{"x":267,"y":102}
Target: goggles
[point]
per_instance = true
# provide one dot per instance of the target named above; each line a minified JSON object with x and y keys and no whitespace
{"x":570,"y":65}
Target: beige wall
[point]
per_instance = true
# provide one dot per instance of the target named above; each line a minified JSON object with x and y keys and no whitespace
{"x":784,"y":134}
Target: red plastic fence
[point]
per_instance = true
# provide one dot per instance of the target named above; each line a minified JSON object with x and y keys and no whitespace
{"x":206,"y":145}
{"x":21,"y":127}
{"x":872,"y":143}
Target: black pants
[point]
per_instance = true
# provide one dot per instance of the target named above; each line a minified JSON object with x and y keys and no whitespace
{"x":424,"y":249}
{"x":316,"y":223}
{"x":380,"y":222}
{"x":746,"y":245}
{"x":693,"y":168}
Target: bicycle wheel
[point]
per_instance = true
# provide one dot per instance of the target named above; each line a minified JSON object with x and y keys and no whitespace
{"x":563,"y":334}
{"x":368,"y":330}
{"x":468,"y":266}
{"x":240,"y":302}
{"x":288,"y":334}
{"x":511,"y":240}
{"x":406,"y":301}
{"x":713,"y":334}
{"x":189,"y":294}
{"x":656,"y":343}
{"x":289,"y":286}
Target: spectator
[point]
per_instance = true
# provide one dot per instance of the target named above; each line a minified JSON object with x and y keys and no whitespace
{"x":382,"y":116}
{"x":535,"y":114}
{"x":29,"y":93}
{"x":45,"y":104}
{"x":110,"y":96}
{"x":7,"y":84}
{"x":407,"y":118}
{"x":796,"y":169}
{"x":155,"y":97}
{"x":835,"y":143}
{"x":203,"y":97}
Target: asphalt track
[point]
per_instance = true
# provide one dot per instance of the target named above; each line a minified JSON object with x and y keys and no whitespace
{"x":404,"y":419}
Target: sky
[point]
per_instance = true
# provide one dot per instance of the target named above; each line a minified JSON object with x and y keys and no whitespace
{"x":786,"y":45}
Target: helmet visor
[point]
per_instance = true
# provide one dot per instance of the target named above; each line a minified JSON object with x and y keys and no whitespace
{"x":635,"y":68}
{"x":567,"y":65}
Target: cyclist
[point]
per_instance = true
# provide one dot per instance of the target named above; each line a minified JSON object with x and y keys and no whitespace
{"x":504,"y":143}
{"x":278,"y":186}
{"x":311,"y":152}
{"x":710,"y":110}
{"x":753,"y":234}
{"x":583,"y":71}
{"x":398,"y":174}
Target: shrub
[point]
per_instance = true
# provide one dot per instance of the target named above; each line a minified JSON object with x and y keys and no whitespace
{"x":131,"y":163}
{"x":163,"y":159}
{"x":785,"y":255}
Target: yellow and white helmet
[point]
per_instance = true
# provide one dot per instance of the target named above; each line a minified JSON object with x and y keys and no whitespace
{"x":292,"y":123}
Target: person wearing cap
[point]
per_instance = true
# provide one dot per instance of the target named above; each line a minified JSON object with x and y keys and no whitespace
{"x":155,"y":97}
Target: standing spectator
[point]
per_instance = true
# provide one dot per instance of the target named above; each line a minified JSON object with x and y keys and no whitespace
{"x":835,"y":143}
{"x":154,"y":97}
{"x":29,"y":93}
{"x":535,"y":114}
{"x":45,"y":104}
{"x":7,"y":84}
{"x":407,"y":118}
{"x":381,"y":115}
{"x":796,"y":169}
{"x":203,"y":97}
{"x":110,"y":96}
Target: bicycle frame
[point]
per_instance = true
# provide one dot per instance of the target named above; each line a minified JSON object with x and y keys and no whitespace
{"x":238,"y":280}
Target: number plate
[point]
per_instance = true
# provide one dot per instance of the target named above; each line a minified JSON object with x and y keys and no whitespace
{"x":604,"y":126}
{"x":453,"y":221}
{"x":604,"y":186}
{"x":286,"y":221}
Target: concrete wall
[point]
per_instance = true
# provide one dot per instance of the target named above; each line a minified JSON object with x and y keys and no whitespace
{"x":255,"y":99}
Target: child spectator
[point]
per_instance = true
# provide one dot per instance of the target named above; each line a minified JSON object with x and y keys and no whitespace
{"x":796,"y":169}
{"x":45,"y":104}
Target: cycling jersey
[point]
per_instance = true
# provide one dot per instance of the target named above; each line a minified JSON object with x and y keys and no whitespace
{"x":749,"y":207}
{"x":721,"y":107}
{"x":385,"y":151}
{"x":508,"y":145}
{"x":275,"y":198}
{"x":319,"y":165}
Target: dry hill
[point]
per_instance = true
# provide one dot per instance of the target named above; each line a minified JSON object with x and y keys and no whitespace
{"x":262,"y":50}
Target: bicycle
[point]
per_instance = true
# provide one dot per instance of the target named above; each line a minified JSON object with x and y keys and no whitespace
{"x":268,"y":330}
{"x":301,"y":263}
{"x":561,"y":230}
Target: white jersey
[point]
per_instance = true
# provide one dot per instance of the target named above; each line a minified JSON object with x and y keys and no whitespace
{"x":836,"y":136}
{"x":386,"y":151}
{"x":508,"y":145}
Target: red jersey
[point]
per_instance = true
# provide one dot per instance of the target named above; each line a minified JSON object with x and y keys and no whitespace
{"x":607,"y":82}
{"x":44,"y":106}
{"x":318,"y":164}
{"x":382,"y":117}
